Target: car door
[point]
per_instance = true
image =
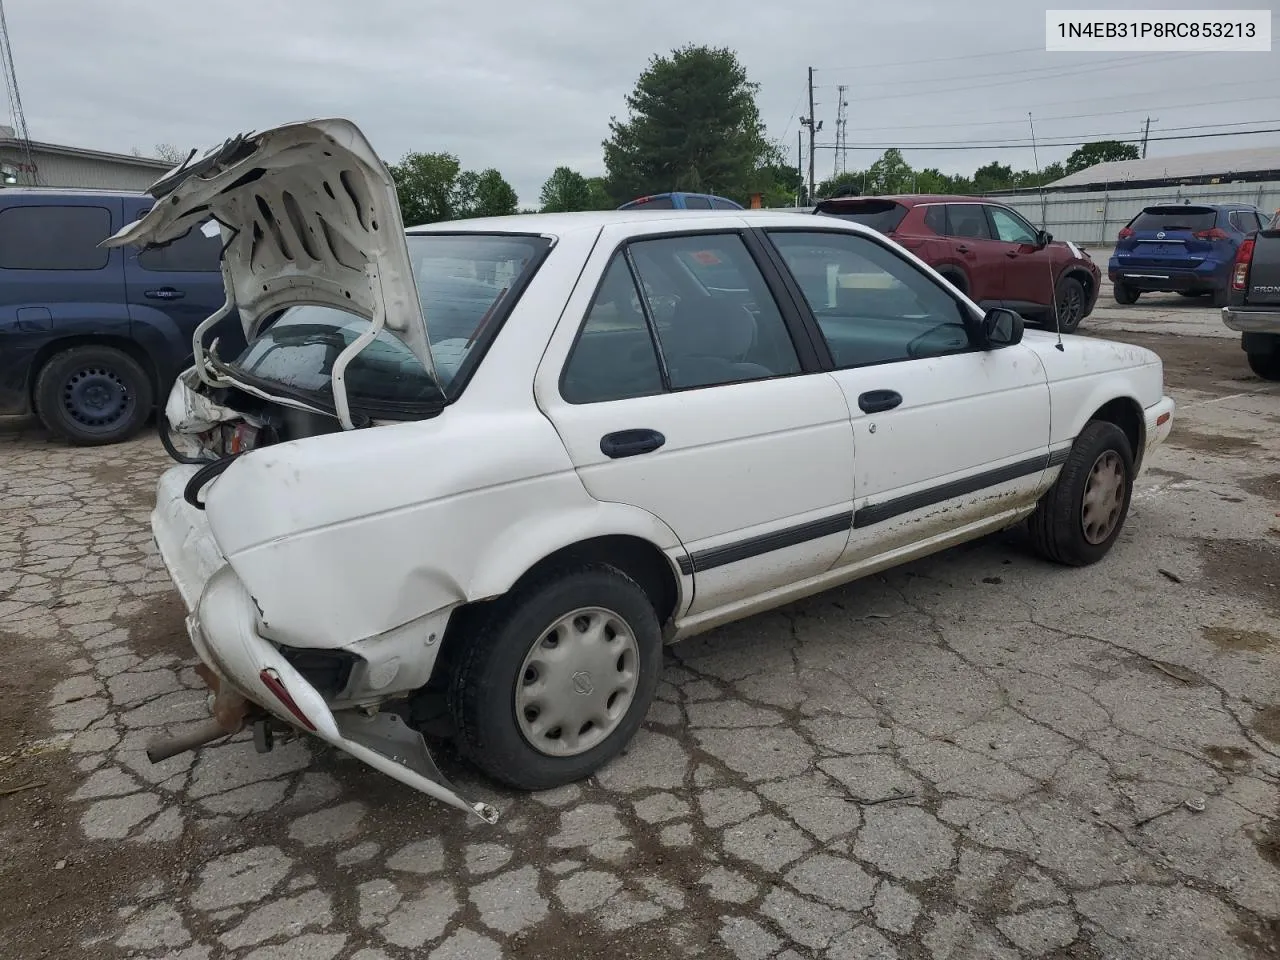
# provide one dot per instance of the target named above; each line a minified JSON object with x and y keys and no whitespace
{"x":700,"y":401}
{"x":973,"y":248}
{"x":171,"y":289}
{"x":1028,"y":267}
{"x":946,"y":435}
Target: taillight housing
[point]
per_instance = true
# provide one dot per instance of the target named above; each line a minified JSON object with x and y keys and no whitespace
{"x":1217,"y":233}
{"x":1244,"y":257}
{"x":1125,"y":233}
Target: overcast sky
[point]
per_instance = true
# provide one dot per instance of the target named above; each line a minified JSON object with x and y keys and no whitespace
{"x":525,"y":87}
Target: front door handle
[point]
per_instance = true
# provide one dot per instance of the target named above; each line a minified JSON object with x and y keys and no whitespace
{"x":878,"y":401}
{"x":1011,"y":254}
{"x":962,"y":249}
{"x":164,"y":293}
{"x":630,"y":443}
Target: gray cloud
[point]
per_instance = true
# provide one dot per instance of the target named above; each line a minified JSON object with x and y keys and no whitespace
{"x":525,"y":87}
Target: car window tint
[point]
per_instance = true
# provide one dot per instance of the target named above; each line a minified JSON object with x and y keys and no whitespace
{"x":697,"y":203}
{"x":1009,"y":228}
{"x":718,"y":204}
{"x":967,"y":220}
{"x":716,"y":320}
{"x":614,"y":357}
{"x":935,"y":218}
{"x":658,"y":203}
{"x":192,"y":252}
{"x":1245,"y":221}
{"x":871,"y":305}
{"x":1175,"y":218}
{"x":54,"y":238}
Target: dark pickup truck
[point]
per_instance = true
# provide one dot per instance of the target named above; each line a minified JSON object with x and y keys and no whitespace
{"x":1253,"y":300}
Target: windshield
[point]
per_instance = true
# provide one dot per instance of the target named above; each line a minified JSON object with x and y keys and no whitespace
{"x":882,"y":216}
{"x":464,"y":284}
{"x":1175,"y":218}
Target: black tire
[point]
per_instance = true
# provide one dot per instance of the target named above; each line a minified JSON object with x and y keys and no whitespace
{"x":93,"y":395}
{"x":1057,"y":527}
{"x":1265,"y":365}
{"x":482,"y":688}
{"x":1124,"y":293}
{"x":1070,"y":305}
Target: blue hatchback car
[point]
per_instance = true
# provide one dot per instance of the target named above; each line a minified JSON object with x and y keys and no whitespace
{"x":681,"y":201}
{"x":1182,"y":248}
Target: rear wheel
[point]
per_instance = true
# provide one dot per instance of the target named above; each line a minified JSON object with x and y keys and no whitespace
{"x":1265,"y":365}
{"x":1081,"y":516}
{"x":93,"y":395}
{"x":557,"y":678}
{"x":1124,"y":293}
{"x":1070,"y":298}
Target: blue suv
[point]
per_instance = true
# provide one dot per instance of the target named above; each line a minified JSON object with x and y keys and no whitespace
{"x":681,"y":201}
{"x":91,"y":338}
{"x":1184,"y":248}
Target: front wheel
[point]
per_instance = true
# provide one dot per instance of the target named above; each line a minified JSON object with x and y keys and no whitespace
{"x":1081,"y":516}
{"x":1265,"y":365}
{"x":1070,"y":304}
{"x":93,"y":395}
{"x":557,"y":679}
{"x":1124,"y":293}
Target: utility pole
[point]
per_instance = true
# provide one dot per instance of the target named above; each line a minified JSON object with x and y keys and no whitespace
{"x":800,"y":167}
{"x":814,"y":127}
{"x":842,"y":134}
{"x":1146,"y":129}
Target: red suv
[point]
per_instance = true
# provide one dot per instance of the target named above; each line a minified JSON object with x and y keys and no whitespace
{"x":986,"y":250}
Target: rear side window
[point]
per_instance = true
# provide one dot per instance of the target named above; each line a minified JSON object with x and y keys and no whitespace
{"x":1175,"y":218}
{"x":54,"y":238}
{"x":1246,"y":221}
{"x":718,"y":204}
{"x":967,"y":220}
{"x":192,"y":252}
{"x":661,"y":203}
{"x":697,"y":203}
{"x":881,"y":215}
{"x":935,"y":218}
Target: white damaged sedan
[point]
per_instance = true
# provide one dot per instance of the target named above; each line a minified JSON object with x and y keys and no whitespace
{"x":471,"y":477}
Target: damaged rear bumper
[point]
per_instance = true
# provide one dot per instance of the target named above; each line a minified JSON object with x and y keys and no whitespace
{"x":223,"y":628}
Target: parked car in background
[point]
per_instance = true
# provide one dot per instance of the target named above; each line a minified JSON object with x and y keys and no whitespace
{"x":91,"y":336}
{"x":1253,"y":299}
{"x":987,"y":250}
{"x":681,"y":201}
{"x":1180,"y":248}
{"x":506,"y":527}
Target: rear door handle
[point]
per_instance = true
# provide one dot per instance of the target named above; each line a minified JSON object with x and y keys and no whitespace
{"x":962,"y":249}
{"x":630,"y":443}
{"x":1011,"y":254}
{"x":878,"y":401}
{"x":164,"y":293}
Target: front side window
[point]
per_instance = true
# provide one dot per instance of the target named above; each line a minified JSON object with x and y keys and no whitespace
{"x":871,"y":305}
{"x":54,"y":238}
{"x":1011,"y":228}
{"x":465,"y":282}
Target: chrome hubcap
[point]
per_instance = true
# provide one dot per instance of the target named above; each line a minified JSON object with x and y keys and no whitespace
{"x":577,"y":682}
{"x":1103,"y":497}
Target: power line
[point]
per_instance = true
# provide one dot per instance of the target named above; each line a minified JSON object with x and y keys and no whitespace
{"x":1023,"y":145}
{"x":1037,"y":73}
{"x":914,"y":64}
{"x":15,"y":97}
{"x":1069,"y":116}
{"x":1067,"y":140}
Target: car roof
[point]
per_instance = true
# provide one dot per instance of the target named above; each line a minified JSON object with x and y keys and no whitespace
{"x":911,"y":199}
{"x":68,"y":192}
{"x":560,"y":224}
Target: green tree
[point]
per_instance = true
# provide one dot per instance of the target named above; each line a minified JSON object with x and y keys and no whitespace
{"x":486,"y":194}
{"x":565,"y":191}
{"x":426,"y":186}
{"x":994,"y":176}
{"x":890,"y":174}
{"x":598,"y":193}
{"x":693,"y":125}
{"x":1100,"y":151}
{"x":850,"y":178}
{"x":933,"y":180}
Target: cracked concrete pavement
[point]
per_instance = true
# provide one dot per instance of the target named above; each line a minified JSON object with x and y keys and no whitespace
{"x":975,"y":756}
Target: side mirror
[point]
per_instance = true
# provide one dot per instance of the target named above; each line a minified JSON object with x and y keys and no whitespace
{"x":1001,"y":327}
{"x":1043,"y":238}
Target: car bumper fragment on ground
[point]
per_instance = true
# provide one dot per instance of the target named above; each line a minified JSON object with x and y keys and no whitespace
{"x":975,"y":756}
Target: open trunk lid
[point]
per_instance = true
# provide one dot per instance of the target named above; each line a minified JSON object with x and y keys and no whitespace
{"x":308,"y":215}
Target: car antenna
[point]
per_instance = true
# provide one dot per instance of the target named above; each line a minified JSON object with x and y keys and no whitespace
{"x":1053,"y":287}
